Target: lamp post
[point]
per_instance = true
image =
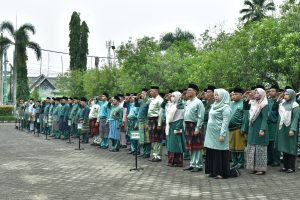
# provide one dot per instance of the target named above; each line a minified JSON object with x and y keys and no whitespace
{"x":5,"y":96}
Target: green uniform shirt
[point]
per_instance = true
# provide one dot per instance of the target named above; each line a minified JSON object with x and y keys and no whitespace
{"x":194,"y":112}
{"x":259,"y":124}
{"x":236,"y":119}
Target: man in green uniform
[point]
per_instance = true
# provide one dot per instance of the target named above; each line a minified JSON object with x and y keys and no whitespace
{"x":141,"y":102}
{"x":236,"y":137}
{"x":72,"y":117}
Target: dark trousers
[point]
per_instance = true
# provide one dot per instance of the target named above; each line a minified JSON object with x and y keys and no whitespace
{"x":273,"y":154}
{"x":289,"y":161}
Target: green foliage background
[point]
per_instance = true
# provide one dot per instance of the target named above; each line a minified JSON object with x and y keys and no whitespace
{"x":264,"y":51}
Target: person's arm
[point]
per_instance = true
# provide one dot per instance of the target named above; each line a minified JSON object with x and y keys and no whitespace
{"x":225,"y":122}
{"x":160,"y":116}
{"x":295,"y":119}
{"x":200,"y":116}
{"x":264,"y":122}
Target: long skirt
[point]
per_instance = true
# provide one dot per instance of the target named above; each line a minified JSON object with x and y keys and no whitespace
{"x":175,"y":159}
{"x":217,"y":163}
{"x":94,"y":128}
{"x":49,"y":121}
{"x":114,"y":131}
{"x":144,"y":131}
{"x":130,"y":126}
{"x":155,"y":135}
{"x":63,"y":125}
{"x":256,"y":157}
{"x":55,"y":124}
{"x":193,"y":142}
{"x":236,"y":140}
{"x":103,"y":128}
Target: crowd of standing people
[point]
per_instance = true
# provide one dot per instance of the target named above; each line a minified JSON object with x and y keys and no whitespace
{"x":226,"y":130}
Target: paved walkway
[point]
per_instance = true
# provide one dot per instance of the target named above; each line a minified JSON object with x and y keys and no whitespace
{"x":38,"y":169}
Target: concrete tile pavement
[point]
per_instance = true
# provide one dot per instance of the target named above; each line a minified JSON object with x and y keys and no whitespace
{"x":37,"y":169}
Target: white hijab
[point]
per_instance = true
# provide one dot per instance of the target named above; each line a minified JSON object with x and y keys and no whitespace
{"x":257,"y":105}
{"x":172,"y":113}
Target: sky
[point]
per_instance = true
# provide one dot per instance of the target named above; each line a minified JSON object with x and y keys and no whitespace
{"x":115,"y":20}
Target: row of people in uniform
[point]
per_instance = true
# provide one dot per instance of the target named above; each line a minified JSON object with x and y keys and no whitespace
{"x":251,"y":129}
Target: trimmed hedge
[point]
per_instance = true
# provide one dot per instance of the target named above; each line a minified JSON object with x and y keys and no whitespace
{"x":6,"y":110}
{"x":7,"y":118}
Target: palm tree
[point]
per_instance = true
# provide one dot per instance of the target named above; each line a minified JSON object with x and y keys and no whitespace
{"x":168,"y":39}
{"x":21,"y":40}
{"x":256,"y":9}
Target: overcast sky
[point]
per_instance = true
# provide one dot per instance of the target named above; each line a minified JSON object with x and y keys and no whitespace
{"x":115,"y":20}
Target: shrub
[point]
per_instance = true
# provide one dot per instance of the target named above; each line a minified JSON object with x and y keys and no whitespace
{"x":6,"y":110}
{"x":7,"y":118}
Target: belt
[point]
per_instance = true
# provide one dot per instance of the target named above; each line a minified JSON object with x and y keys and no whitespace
{"x":234,"y":128}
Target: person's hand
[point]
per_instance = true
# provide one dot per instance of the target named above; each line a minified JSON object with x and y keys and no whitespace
{"x":261,"y":133}
{"x":138,"y":96}
{"x":281,"y":95}
{"x":96,"y":124}
{"x":221,"y":138}
{"x":167,"y":97}
{"x":196,"y":133}
{"x":159,"y":128}
{"x":291,"y":133}
{"x":123,"y":124}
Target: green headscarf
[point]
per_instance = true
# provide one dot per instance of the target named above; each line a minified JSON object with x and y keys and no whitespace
{"x":288,"y":105}
{"x":224,"y":99}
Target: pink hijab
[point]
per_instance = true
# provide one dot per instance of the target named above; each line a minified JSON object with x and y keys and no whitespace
{"x":257,"y":105}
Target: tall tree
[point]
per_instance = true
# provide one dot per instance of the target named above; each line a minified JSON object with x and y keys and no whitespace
{"x":168,"y":39}
{"x":21,"y":40}
{"x":74,"y":43}
{"x":256,"y":9}
{"x":84,"y":48}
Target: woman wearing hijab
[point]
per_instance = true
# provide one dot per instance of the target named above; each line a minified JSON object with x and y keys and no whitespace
{"x":216,"y":138}
{"x":288,"y":130}
{"x":174,"y":130}
{"x":258,"y":140}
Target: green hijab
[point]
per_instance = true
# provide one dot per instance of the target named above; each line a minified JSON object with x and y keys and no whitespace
{"x":224,"y":99}
{"x":288,"y":105}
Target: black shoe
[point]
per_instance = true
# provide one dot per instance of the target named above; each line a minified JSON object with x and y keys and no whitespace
{"x":156,"y":160}
{"x":115,"y":150}
{"x":130,"y":152}
{"x":196,"y":169}
{"x":283,"y":169}
{"x":188,"y":169}
{"x":289,"y":171}
{"x":151,"y":159}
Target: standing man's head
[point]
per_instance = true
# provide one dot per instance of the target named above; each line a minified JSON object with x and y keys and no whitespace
{"x":154,"y":91}
{"x":273,"y":91}
{"x":105,"y":96}
{"x":115,"y":100}
{"x":192,"y":91}
{"x":144,"y":93}
{"x":83,"y":101}
{"x":237,"y":94}
{"x":209,"y":93}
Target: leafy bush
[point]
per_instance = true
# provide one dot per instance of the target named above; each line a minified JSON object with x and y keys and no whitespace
{"x":7,"y":118}
{"x":6,"y":110}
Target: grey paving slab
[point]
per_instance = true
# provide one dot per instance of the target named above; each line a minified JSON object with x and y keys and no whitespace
{"x":37,"y":169}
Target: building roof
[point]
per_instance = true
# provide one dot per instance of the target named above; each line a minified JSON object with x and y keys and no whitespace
{"x":41,"y":80}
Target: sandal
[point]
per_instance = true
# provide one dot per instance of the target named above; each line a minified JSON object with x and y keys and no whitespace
{"x":260,"y":173}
